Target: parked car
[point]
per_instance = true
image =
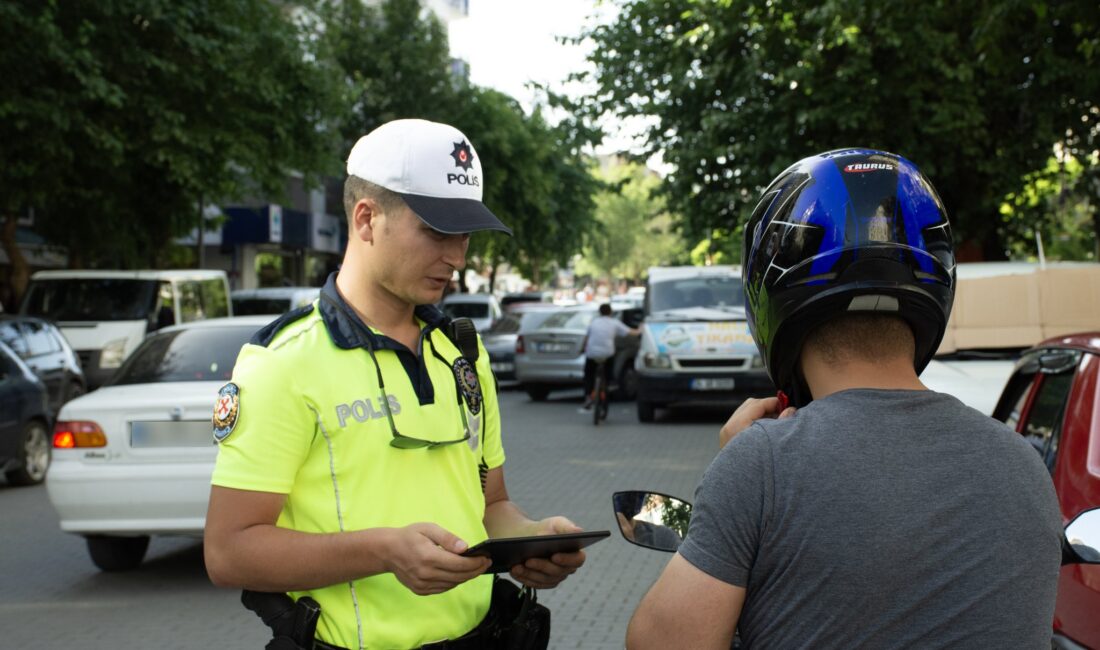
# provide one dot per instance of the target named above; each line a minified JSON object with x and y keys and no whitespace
{"x":482,"y":308}
{"x":551,"y":356}
{"x":1053,"y":400}
{"x":511,"y":299}
{"x":105,"y":314}
{"x":134,"y":458}
{"x":271,"y":300}
{"x":500,"y":340}
{"x":48,"y":354}
{"x":24,"y":421}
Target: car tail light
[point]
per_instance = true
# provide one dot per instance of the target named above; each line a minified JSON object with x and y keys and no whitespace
{"x":74,"y":434}
{"x":519,"y":344}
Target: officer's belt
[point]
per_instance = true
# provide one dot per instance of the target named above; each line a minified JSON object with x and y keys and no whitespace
{"x":471,"y":641}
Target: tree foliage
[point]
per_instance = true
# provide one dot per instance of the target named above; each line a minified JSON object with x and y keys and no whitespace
{"x":395,"y":64}
{"x":975,"y":93}
{"x":635,"y":227}
{"x":1054,"y":204}
{"x":392,"y":59}
{"x":536,"y":181}
{"x":118,"y":118}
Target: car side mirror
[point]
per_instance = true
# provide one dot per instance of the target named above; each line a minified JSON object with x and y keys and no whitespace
{"x":652,"y":520}
{"x":1082,"y":541}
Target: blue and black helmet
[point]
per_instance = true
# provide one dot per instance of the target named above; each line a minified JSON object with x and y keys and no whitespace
{"x":843,"y":231}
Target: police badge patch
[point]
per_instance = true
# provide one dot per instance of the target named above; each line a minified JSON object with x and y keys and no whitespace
{"x":226,"y":411}
{"x":467,"y":381}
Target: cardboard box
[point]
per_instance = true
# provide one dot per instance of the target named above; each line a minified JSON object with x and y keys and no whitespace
{"x":1017,"y":305}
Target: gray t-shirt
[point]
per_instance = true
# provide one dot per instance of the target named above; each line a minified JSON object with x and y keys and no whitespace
{"x":882,"y":519}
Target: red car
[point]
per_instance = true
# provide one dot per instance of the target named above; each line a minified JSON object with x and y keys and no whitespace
{"x":1053,"y":400}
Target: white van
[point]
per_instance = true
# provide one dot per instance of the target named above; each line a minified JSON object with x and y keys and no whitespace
{"x":696,"y":346}
{"x":105,"y":314}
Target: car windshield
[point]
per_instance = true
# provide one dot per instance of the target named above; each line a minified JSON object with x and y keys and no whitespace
{"x":715,"y":291}
{"x":251,"y":306}
{"x":466,"y":309}
{"x":197,"y":354}
{"x":91,"y":299}
{"x":573,"y":319}
{"x":509,"y":324}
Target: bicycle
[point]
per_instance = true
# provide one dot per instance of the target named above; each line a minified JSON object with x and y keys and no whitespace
{"x":600,"y":401}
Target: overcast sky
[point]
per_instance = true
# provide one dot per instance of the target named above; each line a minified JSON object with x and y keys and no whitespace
{"x":508,"y":43}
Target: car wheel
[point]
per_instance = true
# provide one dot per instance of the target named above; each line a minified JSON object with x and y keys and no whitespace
{"x":111,"y":553}
{"x":537,"y":392}
{"x":647,"y":411}
{"x":34,"y":449}
{"x":628,"y":384}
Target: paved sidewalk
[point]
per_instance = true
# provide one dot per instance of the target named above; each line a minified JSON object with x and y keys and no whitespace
{"x":560,"y":463}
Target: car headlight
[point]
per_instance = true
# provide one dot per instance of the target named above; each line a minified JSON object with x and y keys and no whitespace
{"x":113,"y":354}
{"x":658,"y":360}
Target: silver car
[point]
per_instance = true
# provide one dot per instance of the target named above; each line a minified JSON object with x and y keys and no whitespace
{"x":500,"y":340}
{"x":551,"y":356}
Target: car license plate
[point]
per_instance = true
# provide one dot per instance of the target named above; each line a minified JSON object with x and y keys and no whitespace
{"x":152,"y":435}
{"x":712,"y":383}
{"x":502,"y":367}
{"x":553,"y":347}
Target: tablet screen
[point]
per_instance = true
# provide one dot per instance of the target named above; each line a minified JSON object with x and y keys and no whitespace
{"x":506,"y":552}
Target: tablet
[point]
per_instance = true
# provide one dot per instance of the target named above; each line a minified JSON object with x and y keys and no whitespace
{"x":505,"y":552}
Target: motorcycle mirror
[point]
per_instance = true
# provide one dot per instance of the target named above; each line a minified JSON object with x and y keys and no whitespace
{"x":651,"y":519}
{"x":1082,"y":539}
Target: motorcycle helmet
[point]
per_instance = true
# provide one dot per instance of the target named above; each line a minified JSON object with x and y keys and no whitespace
{"x":845,"y":231}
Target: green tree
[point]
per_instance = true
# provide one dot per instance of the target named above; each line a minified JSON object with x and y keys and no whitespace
{"x":975,"y":93}
{"x":395,"y":64}
{"x":1054,"y":204}
{"x":119,"y":118}
{"x":393,"y":59}
{"x":635,"y":228}
{"x":536,"y":181}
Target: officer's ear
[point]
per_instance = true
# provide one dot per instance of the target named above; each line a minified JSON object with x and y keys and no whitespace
{"x":364,"y":219}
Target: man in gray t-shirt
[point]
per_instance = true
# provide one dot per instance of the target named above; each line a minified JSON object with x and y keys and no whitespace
{"x":872,"y":513}
{"x":882,"y":519}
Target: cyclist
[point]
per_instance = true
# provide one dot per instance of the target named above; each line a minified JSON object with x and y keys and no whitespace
{"x":599,"y":347}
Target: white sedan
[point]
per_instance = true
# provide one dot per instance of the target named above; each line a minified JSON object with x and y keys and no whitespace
{"x":134,"y":458}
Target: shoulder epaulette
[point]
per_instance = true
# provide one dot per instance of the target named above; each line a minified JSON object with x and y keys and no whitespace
{"x":265,"y":335}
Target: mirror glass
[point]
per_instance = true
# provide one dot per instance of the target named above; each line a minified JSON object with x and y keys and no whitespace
{"x":1083,"y":534}
{"x":651,"y":519}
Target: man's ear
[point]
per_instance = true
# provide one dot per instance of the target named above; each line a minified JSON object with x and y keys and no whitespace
{"x":364,"y":219}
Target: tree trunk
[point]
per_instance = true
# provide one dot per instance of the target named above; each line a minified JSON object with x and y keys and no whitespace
{"x":493,"y":273}
{"x":20,"y":270}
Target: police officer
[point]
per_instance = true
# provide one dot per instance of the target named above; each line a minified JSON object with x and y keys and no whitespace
{"x":359,"y":449}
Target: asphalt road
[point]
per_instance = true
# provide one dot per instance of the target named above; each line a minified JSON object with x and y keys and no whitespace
{"x":558,"y":463}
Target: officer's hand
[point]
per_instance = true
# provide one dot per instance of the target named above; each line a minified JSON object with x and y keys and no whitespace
{"x":425,"y":558}
{"x":548,"y":573}
{"x":750,"y":411}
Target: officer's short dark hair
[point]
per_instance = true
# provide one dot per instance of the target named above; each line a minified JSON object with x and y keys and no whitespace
{"x":605,"y":309}
{"x":356,"y":188}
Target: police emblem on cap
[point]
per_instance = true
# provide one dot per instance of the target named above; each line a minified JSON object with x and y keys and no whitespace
{"x":226,"y":411}
{"x":467,"y":381}
{"x":463,"y":155}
